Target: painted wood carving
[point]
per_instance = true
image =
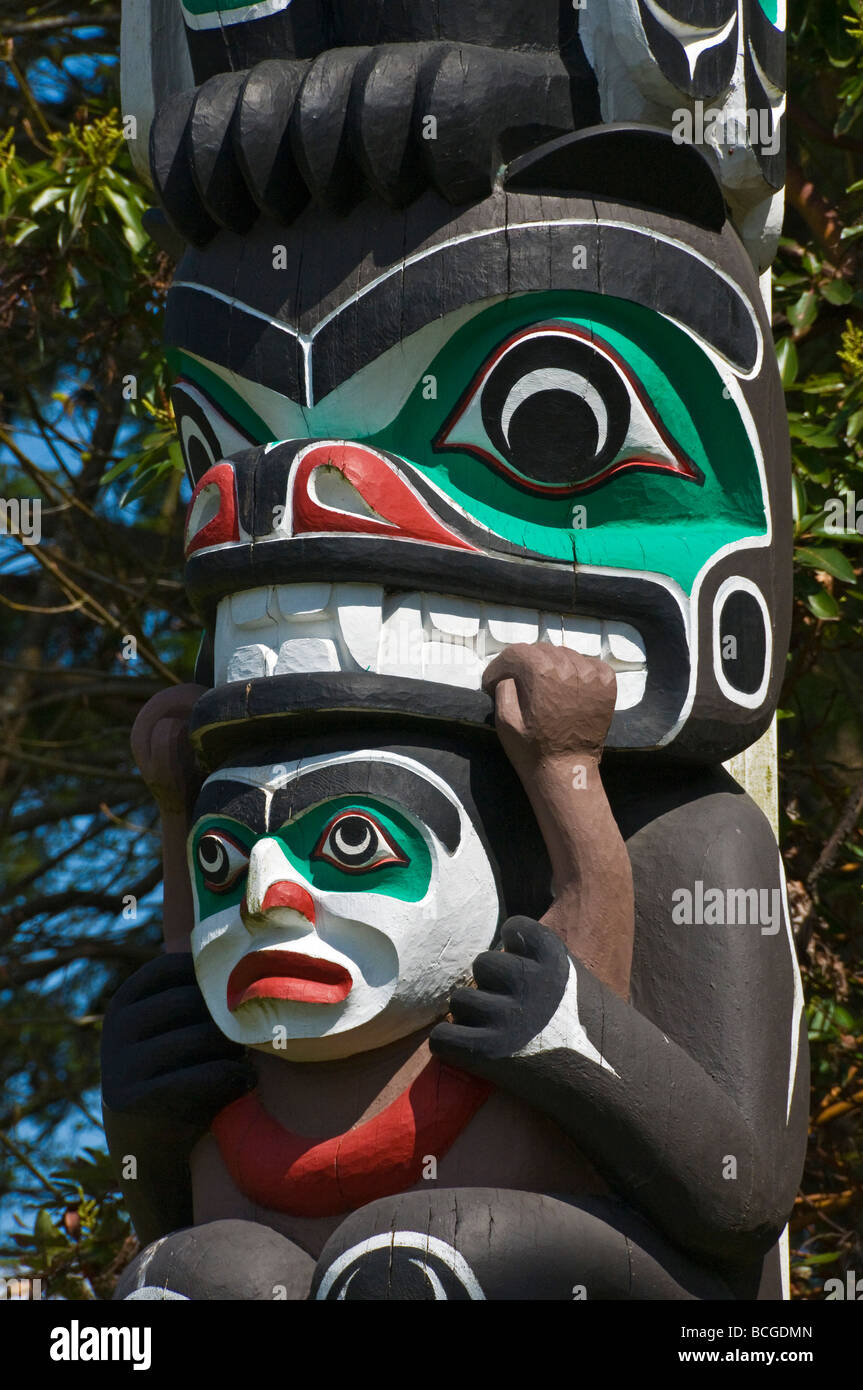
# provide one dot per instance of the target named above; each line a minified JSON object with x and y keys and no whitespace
{"x":478,"y":982}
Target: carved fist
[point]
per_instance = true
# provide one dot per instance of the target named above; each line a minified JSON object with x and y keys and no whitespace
{"x":161,"y":748}
{"x":162,"y":1054}
{"x":550,"y":700}
{"x":519,"y":990}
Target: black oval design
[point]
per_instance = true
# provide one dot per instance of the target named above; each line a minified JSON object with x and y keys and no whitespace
{"x":742,"y":641}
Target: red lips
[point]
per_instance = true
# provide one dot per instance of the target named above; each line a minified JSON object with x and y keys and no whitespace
{"x":277,"y":974}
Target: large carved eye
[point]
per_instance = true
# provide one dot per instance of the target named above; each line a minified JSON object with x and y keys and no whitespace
{"x":559,"y":411}
{"x":221,"y":860}
{"x":206,"y":435}
{"x":354,"y":841}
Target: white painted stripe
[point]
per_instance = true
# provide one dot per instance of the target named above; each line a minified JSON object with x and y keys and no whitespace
{"x":411,"y":1240}
{"x":797,"y":1008}
{"x":220,"y":19}
{"x":785,"y":1264}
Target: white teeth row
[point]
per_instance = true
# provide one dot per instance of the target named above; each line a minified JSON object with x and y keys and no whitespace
{"x":291,"y":628}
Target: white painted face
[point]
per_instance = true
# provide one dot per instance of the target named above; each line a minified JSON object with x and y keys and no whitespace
{"x":339,"y":900}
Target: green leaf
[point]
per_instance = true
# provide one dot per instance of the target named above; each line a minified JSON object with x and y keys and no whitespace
{"x":117,"y":470}
{"x":854,"y":426}
{"x":26,"y":229}
{"x":786,"y":355}
{"x":78,"y":201}
{"x":803,"y":314}
{"x":837,"y":292}
{"x":46,"y":197}
{"x":824,"y":606}
{"x":798,"y":497}
{"x":133,"y":231}
{"x":827,"y":559}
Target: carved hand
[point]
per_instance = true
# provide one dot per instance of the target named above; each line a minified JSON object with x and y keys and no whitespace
{"x":550,"y":702}
{"x":519,"y":991}
{"x":162,"y":1055}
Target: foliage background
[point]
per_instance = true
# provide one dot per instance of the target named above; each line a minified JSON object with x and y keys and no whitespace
{"x":81,"y":291}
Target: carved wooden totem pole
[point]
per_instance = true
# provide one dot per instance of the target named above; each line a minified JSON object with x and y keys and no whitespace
{"x":477,"y":396}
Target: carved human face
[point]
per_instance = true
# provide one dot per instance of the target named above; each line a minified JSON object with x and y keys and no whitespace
{"x":338,"y":901}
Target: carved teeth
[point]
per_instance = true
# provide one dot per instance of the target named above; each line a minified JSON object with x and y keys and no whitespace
{"x":250,"y":662}
{"x":624,"y":643}
{"x":360,"y":616}
{"x":434,"y":637}
{"x":582,"y":635}
{"x":250,"y":609}
{"x":301,"y":654}
{"x":302,"y":600}
{"x":509,"y":625}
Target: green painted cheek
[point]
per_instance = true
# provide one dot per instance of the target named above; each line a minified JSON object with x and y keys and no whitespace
{"x":636,"y":519}
{"x":408,"y":882}
{"x":208,"y":902}
{"x":236,"y":409}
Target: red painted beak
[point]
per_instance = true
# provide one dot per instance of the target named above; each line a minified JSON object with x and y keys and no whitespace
{"x":285,"y":894}
{"x":378,"y":499}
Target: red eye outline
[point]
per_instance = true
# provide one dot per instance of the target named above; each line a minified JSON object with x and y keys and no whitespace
{"x":683,"y":466}
{"x":320,"y":853}
{"x":224,"y":838}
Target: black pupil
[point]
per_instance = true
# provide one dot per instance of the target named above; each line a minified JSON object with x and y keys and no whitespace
{"x":354,"y":840}
{"x":559,"y":435}
{"x":564,"y":423}
{"x":213,"y":858}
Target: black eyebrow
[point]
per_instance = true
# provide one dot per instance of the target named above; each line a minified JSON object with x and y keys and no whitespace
{"x":370,"y":777}
{"x":669,"y":277}
{"x":242,"y":802}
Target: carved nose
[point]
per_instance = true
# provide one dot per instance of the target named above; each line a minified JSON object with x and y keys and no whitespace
{"x":286,"y":894}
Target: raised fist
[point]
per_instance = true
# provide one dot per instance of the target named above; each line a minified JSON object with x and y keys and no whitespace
{"x":550,"y":700}
{"x":162,"y":1055}
{"x":519,"y":991}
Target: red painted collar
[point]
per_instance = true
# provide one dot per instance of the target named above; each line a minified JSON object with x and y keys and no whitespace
{"x":292,"y":1173}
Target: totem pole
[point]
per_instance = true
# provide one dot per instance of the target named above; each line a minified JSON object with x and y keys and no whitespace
{"x":478,"y":982}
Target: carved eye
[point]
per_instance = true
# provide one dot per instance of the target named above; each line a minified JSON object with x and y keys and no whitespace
{"x":354,"y":841}
{"x":206,"y":435}
{"x":558,"y":411}
{"x":221,"y":860}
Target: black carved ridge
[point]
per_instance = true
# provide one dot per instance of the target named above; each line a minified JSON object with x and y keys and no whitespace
{"x":389,"y":121}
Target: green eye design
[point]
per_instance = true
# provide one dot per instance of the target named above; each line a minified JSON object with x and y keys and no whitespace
{"x":355,"y":842}
{"x":558,"y":411}
{"x":221,"y":860}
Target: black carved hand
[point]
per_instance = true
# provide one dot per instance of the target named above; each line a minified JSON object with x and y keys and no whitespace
{"x":518,"y":992}
{"x":162,"y":1054}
